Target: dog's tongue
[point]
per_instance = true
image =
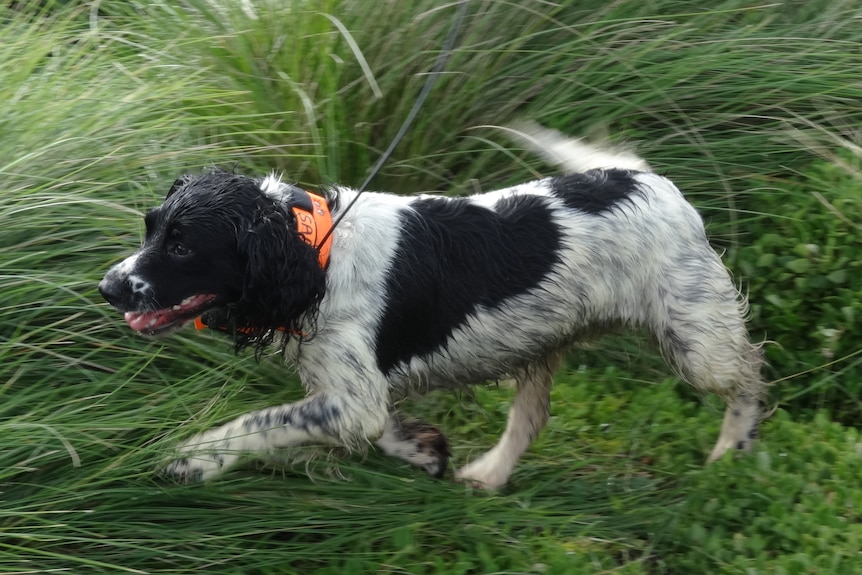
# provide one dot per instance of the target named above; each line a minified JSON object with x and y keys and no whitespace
{"x":154,"y":320}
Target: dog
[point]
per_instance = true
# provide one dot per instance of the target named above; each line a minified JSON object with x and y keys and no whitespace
{"x":426,"y":292}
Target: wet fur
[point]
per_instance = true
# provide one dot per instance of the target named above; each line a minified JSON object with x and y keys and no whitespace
{"x":430,"y":292}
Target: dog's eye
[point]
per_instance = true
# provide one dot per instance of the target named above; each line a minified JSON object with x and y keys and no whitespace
{"x":179,"y":249}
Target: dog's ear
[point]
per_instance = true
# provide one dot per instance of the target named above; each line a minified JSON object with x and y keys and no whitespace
{"x":178,"y":183}
{"x":283,"y":282}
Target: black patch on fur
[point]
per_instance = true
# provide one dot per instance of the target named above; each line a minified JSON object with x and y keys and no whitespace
{"x":453,"y":257}
{"x":318,"y":414}
{"x":595,"y":191}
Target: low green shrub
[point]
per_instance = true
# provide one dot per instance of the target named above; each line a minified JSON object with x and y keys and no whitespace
{"x":792,"y":507}
{"x":800,"y":260}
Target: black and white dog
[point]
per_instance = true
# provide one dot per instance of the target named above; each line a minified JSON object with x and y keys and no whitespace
{"x":425,"y":292}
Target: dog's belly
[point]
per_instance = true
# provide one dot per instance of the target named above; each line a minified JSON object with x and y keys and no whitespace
{"x":489,"y":347}
{"x":437,"y":373}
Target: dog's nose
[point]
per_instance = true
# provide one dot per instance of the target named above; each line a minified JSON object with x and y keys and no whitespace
{"x":109,"y":291}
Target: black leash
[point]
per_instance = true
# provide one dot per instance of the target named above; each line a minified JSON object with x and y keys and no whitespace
{"x":439,"y":63}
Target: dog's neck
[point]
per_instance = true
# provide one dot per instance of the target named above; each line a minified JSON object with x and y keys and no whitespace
{"x":313,"y":223}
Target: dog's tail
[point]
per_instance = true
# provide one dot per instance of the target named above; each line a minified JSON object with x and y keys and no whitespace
{"x":573,"y":154}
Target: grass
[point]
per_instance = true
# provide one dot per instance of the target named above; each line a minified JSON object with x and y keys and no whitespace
{"x":104,"y":106}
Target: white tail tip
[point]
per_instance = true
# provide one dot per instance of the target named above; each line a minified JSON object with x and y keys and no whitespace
{"x":573,"y":154}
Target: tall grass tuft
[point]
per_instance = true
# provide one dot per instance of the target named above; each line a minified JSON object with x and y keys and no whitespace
{"x":715,"y":95}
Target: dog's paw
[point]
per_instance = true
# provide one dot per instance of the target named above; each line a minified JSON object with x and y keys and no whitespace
{"x":183,"y":470}
{"x":484,"y":473}
{"x":416,"y":442}
{"x":199,"y":459}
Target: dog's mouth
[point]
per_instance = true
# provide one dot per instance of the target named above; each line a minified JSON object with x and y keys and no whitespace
{"x":155,"y":322}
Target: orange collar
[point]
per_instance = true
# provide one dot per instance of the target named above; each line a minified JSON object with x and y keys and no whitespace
{"x":313,"y":222}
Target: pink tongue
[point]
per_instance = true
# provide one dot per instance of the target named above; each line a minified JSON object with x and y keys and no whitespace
{"x":152,"y":320}
{"x":142,"y":321}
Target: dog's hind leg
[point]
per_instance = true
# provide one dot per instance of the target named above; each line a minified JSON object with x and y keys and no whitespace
{"x":527,"y":417}
{"x":739,"y":384}
{"x":416,"y":442}
{"x":701,"y":330}
{"x":739,"y":428}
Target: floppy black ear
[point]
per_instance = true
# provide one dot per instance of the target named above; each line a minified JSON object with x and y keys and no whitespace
{"x":178,"y":183}
{"x":283,"y":282}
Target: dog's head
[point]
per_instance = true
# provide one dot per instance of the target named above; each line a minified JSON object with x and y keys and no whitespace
{"x":218,"y":245}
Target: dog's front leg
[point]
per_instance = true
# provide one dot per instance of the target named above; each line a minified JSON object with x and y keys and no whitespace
{"x":321,"y":419}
